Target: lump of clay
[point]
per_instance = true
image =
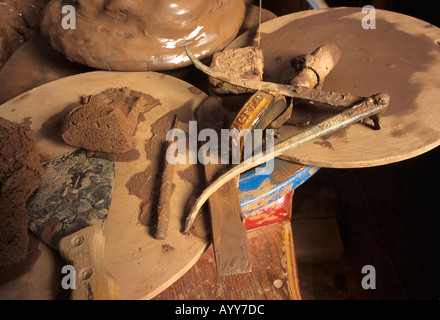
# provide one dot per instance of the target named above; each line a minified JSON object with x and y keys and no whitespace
{"x":20,"y":175}
{"x":106,"y":122}
{"x":142,"y":35}
{"x":246,"y":63}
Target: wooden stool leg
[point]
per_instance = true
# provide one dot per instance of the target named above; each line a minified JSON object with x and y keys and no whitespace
{"x":289,"y":250}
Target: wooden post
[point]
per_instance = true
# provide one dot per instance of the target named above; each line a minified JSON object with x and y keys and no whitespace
{"x":231,"y":248}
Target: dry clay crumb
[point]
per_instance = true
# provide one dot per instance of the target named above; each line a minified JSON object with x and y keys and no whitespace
{"x":106,"y":122}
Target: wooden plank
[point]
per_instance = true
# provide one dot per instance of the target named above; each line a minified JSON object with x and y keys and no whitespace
{"x":274,"y":274}
{"x":229,"y":238}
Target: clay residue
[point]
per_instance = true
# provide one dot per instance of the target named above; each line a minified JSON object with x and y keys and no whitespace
{"x":167,"y":247}
{"x":283,"y":171}
{"x":191,"y":175}
{"x":142,"y":184}
{"x":160,"y":128}
{"x":128,"y":156}
{"x":324,"y":144}
{"x":107,"y":121}
{"x":195,"y":90}
{"x":20,"y":175}
{"x":27,"y":122}
{"x":417,"y":128}
{"x":146,"y":184}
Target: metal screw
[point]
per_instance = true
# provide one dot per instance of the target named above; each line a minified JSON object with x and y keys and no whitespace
{"x":278,"y":283}
{"x":77,"y":240}
{"x":85,"y":273}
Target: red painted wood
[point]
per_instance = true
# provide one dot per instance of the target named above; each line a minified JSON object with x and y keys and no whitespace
{"x":277,"y":211}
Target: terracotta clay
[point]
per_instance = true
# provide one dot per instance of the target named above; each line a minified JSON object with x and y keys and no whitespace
{"x":20,"y":175}
{"x":142,"y":35}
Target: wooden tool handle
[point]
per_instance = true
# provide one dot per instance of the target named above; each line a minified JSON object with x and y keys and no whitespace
{"x":313,"y":68}
{"x":84,"y":250}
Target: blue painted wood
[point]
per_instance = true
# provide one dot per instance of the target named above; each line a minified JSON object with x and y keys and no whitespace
{"x":317,"y":4}
{"x":257,"y":191}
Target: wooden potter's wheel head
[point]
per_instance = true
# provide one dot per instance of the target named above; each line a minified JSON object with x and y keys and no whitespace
{"x":142,"y":35}
{"x":141,"y":265}
{"x":401,"y":58}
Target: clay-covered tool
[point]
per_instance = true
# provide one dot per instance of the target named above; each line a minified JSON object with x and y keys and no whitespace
{"x":68,"y":212}
{"x":166,"y":189}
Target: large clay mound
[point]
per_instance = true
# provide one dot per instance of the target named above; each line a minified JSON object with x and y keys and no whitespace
{"x":142,"y":35}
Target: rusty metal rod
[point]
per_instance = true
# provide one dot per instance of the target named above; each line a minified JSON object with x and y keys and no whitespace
{"x":369,"y":107}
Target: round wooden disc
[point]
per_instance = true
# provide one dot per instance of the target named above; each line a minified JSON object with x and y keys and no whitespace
{"x":142,"y":265}
{"x":400,"y":57}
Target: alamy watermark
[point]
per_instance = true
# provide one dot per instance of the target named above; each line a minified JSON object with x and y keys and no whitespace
{"x":69,"y":19}
{"x":236,"y":146}
{"x":68,"y":282}
{"x":369,"y":280}
{"x":369,"y":20}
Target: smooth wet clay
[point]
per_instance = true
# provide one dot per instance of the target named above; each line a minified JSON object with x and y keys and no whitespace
{"x":142,"y":35}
